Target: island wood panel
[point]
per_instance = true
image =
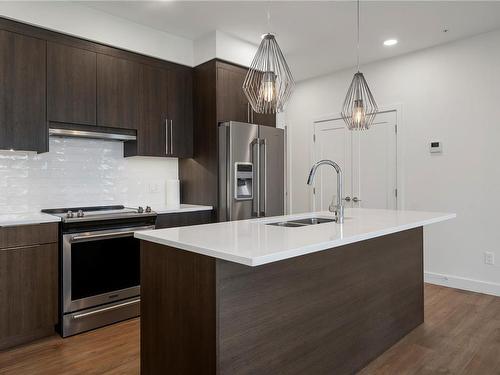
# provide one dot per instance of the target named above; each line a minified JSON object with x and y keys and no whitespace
{"x":178,"y":317}
{"x":330,"y":312}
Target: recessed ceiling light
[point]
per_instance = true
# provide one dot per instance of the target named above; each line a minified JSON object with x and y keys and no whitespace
{"x":390,"y":42}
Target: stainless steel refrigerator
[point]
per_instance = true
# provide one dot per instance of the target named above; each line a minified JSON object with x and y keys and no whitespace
{"x":251,"y":171}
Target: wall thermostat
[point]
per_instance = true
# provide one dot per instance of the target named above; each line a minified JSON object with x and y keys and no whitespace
{"x":435,"y":147}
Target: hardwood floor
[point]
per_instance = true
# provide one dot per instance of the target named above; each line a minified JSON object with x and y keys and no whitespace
{"x":111,"y":350}
{"x":461,"y":335}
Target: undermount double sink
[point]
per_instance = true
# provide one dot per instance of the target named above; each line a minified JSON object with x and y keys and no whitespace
{"x":302,"y":222}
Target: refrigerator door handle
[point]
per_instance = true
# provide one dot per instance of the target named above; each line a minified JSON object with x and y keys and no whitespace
{"x":255,"y":146}
{"x":263,"y":170}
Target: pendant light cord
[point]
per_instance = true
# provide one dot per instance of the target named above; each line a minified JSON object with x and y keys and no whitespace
{"x":269,"y":16}
{"x":358,"y":33}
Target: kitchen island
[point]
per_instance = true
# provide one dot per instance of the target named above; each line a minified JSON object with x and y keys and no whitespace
{"x":247,"y":297}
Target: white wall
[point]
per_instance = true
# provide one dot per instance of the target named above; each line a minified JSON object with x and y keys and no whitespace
{"x":450,"y":94}
{"x":92,"y":24}
{"x":223,"y":46}
{"x":81,"y":172}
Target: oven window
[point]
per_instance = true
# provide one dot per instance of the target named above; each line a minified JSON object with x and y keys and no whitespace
{"x":104,"y":266}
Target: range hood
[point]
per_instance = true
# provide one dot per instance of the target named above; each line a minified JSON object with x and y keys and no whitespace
{"x":92,"y":132}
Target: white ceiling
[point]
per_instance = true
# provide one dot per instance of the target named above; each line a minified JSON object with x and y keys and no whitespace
{"x":318,"y":36}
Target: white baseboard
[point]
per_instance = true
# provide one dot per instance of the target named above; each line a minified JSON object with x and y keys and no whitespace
{"x":463,"y":283}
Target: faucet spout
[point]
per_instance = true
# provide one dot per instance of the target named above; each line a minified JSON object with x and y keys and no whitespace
{"x":338,"y":207}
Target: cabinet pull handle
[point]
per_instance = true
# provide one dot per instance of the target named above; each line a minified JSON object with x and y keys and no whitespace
{"x":248,"y":112}
{"x":171,"y":137}
{"x":166,"y":136}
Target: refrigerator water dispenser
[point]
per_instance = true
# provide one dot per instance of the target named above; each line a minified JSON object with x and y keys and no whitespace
{"x":243,"y":188}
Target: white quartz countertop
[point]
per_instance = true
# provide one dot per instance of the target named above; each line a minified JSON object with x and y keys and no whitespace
{"x":253,"y":243}
{"x":180,"y":208}
{"x":9,"y":220}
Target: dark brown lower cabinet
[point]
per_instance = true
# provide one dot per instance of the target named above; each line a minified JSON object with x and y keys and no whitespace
{"x":329,"y":312}
{"x":182,"y":219}
{"x":28,"y":283}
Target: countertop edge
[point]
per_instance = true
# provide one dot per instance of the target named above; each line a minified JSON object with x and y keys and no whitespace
{"x":29,"y":221}
{"x":258,"y":261}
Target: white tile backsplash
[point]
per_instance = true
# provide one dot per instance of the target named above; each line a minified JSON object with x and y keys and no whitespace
{"x":81,"y":172}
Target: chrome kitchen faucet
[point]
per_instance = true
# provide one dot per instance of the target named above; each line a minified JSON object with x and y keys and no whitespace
{"x":338,"y":208}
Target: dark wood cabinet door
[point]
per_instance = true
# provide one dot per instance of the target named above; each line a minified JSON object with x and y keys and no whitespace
{"x":28,"y":293}
{"x":264,"y":119}
{"x":232,"y":104}
{"x":117,"y":92}
{"x":71,"y":84}
{"x":152,"y":131}
{"x":180,"y":113}
{"x":23,"y":120}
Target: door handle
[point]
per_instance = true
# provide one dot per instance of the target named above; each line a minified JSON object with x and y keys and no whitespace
{"x":171,"y":136}
{"x":255,"y":146}
{"x":347,"y":199}
{"x":166,"y":136}
{"x":356,"y":199}
{"x":264,"y":175}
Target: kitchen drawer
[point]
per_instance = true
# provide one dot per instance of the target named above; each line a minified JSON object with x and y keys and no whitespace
{"x":182,"y":219}
{"x":26,"y":235}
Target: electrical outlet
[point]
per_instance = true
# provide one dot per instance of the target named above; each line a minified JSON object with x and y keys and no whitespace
{"x":489,"y":258}
{"x":153,"y":188}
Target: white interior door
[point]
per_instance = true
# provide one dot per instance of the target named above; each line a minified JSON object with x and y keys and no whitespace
{"x":375,"y":164}
{"x":332,"y":141}
{"x":367,"y":158}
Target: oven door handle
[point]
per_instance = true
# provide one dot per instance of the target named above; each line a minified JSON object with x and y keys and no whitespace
{"x":100,"y":236}
{"x":83,"y":315}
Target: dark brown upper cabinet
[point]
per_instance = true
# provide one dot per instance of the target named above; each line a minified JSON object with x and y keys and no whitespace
{"x":153,"y":124}
{"x":232,"y":103}
{"x":166,"y":125}
{"x":267,"y":119}
{"x":118,"y":92}
{"x":71,"y":84}
{"x":23,"y":122}
{"x":180,"y":112}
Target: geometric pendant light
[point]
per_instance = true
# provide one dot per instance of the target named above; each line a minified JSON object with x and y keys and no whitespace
{"x":359,"y":108}
{"x":269,"y":82}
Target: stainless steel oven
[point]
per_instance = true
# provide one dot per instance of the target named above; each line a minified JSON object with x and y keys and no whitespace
{"x":100,"y":276}
{"x":100,"y":265}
